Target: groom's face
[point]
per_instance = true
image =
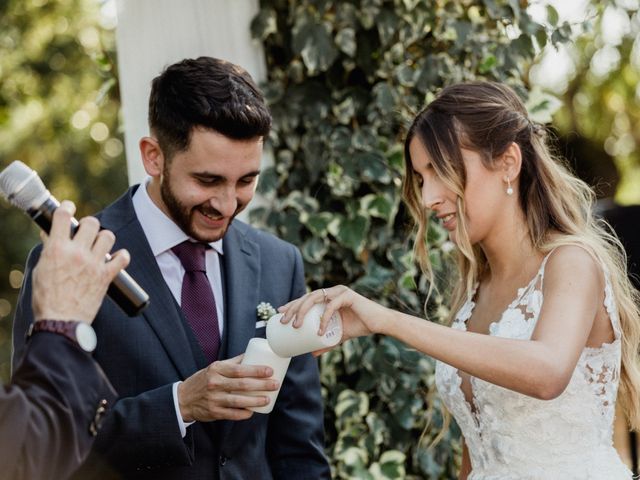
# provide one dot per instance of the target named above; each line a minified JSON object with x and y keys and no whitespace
{"x":204,"y":187}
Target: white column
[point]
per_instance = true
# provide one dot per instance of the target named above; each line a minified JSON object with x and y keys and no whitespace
{"x":152,"y":34}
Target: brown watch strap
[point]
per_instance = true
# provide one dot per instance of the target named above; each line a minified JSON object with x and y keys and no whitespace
{"x":66,"y":328}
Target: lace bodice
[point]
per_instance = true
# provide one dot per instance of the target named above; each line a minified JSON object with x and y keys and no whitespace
{"x":513,"y":436}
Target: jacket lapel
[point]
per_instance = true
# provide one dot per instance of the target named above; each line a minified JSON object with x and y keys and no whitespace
{"x":241,"y":264}
{"x":162,"y":314}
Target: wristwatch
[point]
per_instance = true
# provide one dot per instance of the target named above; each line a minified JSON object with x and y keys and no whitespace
{"x":80,"y":333}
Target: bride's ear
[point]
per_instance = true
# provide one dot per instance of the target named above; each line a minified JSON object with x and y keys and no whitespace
{"x":510,"y":162}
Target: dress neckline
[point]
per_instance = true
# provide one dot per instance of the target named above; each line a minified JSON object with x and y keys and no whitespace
{"x":463,"y":318}
{"x":470,"y":304}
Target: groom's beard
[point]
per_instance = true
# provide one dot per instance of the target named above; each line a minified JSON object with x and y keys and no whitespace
{"x":183,"y":216}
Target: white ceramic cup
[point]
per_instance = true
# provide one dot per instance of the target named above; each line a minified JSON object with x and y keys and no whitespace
{"x":287,"y":341}
{"x":259,"y":353}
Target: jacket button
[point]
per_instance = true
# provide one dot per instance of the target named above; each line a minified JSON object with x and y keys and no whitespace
{"x":223,"y":460}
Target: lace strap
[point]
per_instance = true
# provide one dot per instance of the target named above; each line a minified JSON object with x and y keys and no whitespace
{"x":534,"y":281}
{"x":543,"y":265}
{"x":610,"y":304}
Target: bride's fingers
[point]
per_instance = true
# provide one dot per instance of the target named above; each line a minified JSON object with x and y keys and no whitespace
{"x":335,"y":303}
{"x":292,"y":308}
{"x":286,"y":306}
{"x":289,"y":311}
{"x":308,"y":301}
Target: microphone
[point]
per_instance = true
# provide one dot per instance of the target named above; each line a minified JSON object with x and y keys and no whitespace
{"x":23,"y":188}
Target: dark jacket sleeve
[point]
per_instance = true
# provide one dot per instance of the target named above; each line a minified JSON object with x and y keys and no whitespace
{"x":295,"y":438}
{"x":50,"y":408}
{"x":24,"y":314}
{"x":133,"y":438}
{"x":132,"y":420}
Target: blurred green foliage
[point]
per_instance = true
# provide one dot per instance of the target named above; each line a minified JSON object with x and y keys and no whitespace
{"x":600,"y":115}
{"x":345,"y":79}
{"x":59,"y":114}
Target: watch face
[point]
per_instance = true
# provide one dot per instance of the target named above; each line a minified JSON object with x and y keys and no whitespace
{"x":86,"y":337}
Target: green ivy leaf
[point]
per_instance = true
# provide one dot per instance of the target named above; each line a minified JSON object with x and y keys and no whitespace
{"x":264,"y":24}
{"x":318,"y":223}
{"x":541,"y":38}
{"x":488,"y":63}
{"x":552,"y":15}
{"x":354,"y":457}
{"x":494,"y":10}
{"x":386,"y":22}
{"x":429,"y":465}
{"x":315,"y":44}
{"x":463,"y":30}
{"x":523,"y":44}
{"x":344,"y":111}
{"x":352,"y":232}
{"x":385,"y":97}
{"x":314,"y":249}
{"x":406,"y":76}
{"x":378,"y":206}
{"x":352,"y":404}
{"x":346,"y":41}
{"x":375,"y":278}
{"x":268,"y":181}
{"x":542,"y":105}
{"x":373,"y":167}
{"x":392,"y":464}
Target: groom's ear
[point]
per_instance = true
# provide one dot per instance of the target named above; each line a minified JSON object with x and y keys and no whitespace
{"x":152,"y":156}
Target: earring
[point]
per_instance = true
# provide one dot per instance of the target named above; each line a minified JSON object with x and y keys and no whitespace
{"x":509,"y":189}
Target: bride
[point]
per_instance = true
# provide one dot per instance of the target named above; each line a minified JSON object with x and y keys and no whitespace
{"x":545,"y":327}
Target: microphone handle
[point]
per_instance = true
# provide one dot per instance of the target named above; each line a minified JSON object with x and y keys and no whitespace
{"x":124,"y":290}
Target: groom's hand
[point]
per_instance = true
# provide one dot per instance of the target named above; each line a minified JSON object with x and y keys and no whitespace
{"x":216,"y":392}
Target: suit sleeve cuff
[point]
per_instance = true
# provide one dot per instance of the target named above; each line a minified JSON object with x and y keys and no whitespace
{"x":181,"y":423}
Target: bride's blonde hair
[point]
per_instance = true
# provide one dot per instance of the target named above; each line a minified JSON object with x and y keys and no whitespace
{"x":487,"y":117}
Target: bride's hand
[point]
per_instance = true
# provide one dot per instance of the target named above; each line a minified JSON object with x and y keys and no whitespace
{"x":360,"y":316}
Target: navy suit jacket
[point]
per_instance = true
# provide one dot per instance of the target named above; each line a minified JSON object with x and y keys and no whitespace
{"x":49,"y":412}
{"x":144,"y":356}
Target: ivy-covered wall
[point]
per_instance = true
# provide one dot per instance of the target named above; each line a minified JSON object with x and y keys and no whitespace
{"x":344,"y":80}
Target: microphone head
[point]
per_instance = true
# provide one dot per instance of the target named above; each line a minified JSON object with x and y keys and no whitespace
{"x":22,"y":187}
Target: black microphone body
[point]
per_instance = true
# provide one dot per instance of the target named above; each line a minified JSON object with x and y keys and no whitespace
{"x":124,"y":290}
{"x":23,"y":188}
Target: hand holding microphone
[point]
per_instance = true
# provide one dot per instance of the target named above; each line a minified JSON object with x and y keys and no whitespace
{"x":71,"y":277}
{"x":23,"y":188}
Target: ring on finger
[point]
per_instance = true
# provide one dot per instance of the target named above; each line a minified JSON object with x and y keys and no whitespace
{"x":324,"y":293}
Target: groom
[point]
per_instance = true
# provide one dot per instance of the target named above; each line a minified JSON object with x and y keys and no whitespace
{"x":183,"y":408}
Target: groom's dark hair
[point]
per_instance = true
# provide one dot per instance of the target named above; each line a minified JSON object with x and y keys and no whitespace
{"x":209,"y":93}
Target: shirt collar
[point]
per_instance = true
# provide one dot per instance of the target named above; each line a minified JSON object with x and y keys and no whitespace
{"x":162,"y":232}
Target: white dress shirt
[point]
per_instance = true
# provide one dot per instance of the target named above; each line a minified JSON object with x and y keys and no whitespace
{"x":163,"y":234}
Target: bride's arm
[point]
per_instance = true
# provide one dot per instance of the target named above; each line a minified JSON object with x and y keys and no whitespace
{"x":540,"y":367}
{"x":465,"y":467}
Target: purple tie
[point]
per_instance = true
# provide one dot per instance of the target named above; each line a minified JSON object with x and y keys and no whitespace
{"x":198,"y":304}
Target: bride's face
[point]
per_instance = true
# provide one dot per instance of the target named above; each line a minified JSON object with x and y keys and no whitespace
{"x":484,"y":193}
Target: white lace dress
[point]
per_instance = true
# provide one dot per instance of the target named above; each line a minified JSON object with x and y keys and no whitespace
{"x":513,"y":436}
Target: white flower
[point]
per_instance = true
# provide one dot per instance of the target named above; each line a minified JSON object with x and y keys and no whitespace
{"x":265,"y":311}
